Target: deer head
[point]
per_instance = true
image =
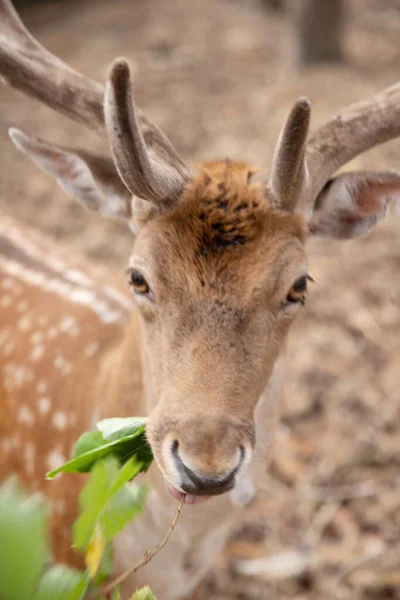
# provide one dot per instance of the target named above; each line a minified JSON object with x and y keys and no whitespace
{"x":218,"y":267}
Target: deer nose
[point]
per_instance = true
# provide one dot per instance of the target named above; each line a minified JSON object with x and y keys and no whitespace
{"x":200,"y":484}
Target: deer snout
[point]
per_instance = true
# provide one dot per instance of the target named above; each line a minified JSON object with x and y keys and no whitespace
{"x":206,"y":461}
{"x":197,"y":482}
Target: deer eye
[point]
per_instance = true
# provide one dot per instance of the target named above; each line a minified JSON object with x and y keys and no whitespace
{"x":298,"y":291}
{"x":138,"y":282}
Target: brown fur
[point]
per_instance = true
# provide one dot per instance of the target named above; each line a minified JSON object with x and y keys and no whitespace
{"x":50,"y":349}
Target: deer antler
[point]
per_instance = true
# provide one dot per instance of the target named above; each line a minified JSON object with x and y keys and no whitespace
{"x":144,"y":175}
{"x":352,"y":131}
{"x":288,"y":172}
{"x":32,"y":69}
{"x":301,"y":168}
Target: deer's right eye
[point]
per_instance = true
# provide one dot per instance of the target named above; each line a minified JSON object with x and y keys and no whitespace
{"x":138,"y":282}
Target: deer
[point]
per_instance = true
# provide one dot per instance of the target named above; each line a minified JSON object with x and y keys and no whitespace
{"x":196,"y":340}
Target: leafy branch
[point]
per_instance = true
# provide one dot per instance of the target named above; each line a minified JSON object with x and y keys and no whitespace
{"x":114,"y":455}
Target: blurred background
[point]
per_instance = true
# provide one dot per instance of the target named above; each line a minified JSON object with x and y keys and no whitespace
{"x":219,"y":77}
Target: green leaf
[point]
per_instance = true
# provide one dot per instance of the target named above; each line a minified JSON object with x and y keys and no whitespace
{"x":106,"y":502}
{"x":87,"y":442}
{"x":62,"y":583}
{"x":92,"y":501}
{"x":122,"y":438}
{"x":117,"y":428}
{"x":144,"y":593}
{"x":123,"y":508}
{"x":23,"y":541}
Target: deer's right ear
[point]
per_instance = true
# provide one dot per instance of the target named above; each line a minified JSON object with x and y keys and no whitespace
{"x":91,"y":180}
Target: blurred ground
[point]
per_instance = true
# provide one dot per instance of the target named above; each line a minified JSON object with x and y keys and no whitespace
{"x":217,"y":76}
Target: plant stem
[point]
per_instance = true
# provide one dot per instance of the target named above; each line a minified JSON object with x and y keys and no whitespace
{"x":147,"y":557}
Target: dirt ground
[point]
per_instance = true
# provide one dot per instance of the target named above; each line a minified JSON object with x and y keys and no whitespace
{"x":218,"y":77}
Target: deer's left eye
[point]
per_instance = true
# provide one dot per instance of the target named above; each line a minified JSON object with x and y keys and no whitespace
{"x":138,"y":282}
{"x":298,"y":291}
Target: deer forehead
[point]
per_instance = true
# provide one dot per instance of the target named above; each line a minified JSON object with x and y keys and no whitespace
{"x":222,"y":231}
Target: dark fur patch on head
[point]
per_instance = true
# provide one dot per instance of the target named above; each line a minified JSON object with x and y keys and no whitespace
{"x":224,"y":219}
{"x":228,"y":209}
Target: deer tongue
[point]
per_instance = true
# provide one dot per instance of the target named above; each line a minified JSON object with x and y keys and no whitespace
{"x":189,"y":498}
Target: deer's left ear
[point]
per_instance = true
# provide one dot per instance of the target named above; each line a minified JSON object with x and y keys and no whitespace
{"x":352,"y":203}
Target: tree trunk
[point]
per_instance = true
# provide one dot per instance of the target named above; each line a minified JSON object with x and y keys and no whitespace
{"x":320,"y":31}
{"x":276,"y":5}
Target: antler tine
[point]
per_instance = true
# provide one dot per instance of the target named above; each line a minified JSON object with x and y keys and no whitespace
{"x":146,"y":176}
{"x":352,"y":131}
{"x":30,"y":68}
{"x":288,"y":169}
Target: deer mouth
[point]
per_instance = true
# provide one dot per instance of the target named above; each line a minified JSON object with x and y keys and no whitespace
{"x":189,"y":498}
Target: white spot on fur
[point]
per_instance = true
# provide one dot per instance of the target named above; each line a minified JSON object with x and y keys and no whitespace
{"x":58,"y":362}
{"x":118,"y":297}
{"x":37,"y":353}
{"x":25,"y":415}
{"x":24,"y":324}
{"x":91,"y":349}
{"x":37,"y":337}
{"x":52,"y":333}
{"x":78,"y":277}
{"x":55,"y":459}
{"x":59,"y":420}
{"x":63,"y":365}
{"x":102,"y":309}
{"x":67,"y":368}
{"x":66,"y":324}
{"x":44,"y":405}
{"x":15,"y":375}
{"x":19,"y":375}
{"x":61,"y":284}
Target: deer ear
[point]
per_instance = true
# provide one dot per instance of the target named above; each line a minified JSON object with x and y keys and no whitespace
{"x":352,"y":203}
{"x":91,"y":180}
